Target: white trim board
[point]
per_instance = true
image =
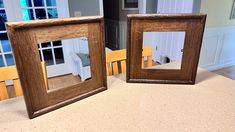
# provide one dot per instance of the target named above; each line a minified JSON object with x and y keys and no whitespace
{"x":142,"y":6}
{"x":218,"y":66}
{"x":101,"y":7}
{"x":122,"y":34}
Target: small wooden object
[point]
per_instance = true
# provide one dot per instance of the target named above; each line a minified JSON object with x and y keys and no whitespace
{"x":25,"y":36}
{"x":192,"y":24}
{"x":119,"y":56}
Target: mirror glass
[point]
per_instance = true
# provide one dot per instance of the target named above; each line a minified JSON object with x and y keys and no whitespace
{"x":67,"y":62}
{"x":130,"y":3}
{"x":162,"y":50}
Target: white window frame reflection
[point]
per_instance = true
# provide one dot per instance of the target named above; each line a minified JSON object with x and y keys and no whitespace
{"x":52,"y":48}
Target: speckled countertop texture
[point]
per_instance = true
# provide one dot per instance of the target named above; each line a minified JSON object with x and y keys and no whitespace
{"x":208,"y":106}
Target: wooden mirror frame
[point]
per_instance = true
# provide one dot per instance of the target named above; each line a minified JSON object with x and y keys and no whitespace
{"x":25,"y":36}
{"x":192,"y":24}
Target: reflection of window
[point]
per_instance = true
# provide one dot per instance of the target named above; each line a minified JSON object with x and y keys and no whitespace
{"x":51,"y":52}
{"x":6,"y":57}
{"x":130,"y":4}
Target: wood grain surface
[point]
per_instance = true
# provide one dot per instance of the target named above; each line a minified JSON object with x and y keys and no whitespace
{"x":192,"y":24}
{"x":25,"y":36}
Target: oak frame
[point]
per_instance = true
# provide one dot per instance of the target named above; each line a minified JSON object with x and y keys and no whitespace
{"x":192,"y":24}
{"x":25,"y":36}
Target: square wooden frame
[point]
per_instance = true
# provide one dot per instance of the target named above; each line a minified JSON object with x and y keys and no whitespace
{"x":24,"y":38}
{"x":192,"y":24}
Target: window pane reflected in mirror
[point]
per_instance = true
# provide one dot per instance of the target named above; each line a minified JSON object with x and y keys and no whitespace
{"x":130,"y":3}
{"x":5,"y":42}
{"x":51,"y":2}
{"x":9,"y":59}
{"x":46,"y":45}
{"x":48,"y":57}
{"x":52,"y":13}
{"x":1,"y":4}
{"x":38,"y":3}
{"x":59,"y":57}
{"x":71,"y":62}
{"x":51,"y":53}
{"x":3,"y":19}
{"x":25,"y":3}
{"x":57,"y":43}
{"x":162,"y":50}
{"x":40,"y":13}
{"x":27,"y":14}
{"x":1,"y":61}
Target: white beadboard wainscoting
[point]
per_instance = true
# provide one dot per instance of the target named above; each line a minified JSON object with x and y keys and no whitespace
{"x":218,"y":48}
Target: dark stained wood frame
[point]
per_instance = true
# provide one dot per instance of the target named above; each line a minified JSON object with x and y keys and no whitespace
{"x":192,"y":24}
{"x":25,"y":36}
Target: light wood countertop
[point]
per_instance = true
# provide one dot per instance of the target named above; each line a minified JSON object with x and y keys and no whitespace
{"x":207,"y":106}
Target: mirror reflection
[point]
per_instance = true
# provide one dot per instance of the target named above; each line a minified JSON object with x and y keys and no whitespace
{"x":66,"y":62}
{"x":162,"y":50}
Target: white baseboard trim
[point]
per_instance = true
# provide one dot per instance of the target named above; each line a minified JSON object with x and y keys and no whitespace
{"x":218,"y":66}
